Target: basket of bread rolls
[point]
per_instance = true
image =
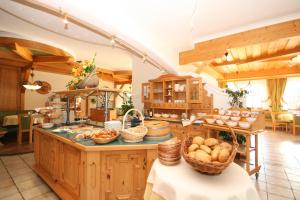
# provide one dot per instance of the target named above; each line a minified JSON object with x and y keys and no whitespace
{"x":209,"y":155}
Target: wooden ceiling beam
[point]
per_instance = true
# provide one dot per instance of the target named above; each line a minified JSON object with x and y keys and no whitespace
{"x":51,"y":59}
{"x":215,"y":48}
{"x":260,"y":58}
{"x":9,"y":41}
{"x":263,"y":74}
{"x":24,"y":52}
{"x":8,"y":55}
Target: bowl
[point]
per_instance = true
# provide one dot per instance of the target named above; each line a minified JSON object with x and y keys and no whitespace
{"x":245,"y":113}
{"x":220,"y":122}
{"x":244,"y":125}
{"x":201,"y":114}
{"x":157,"y":115}
{"x":225,"y":117}
{"x":165,"y":115}
{"x":251,"y":119}
{"x":235,"y":113}
{"x":174,"y":116}
{"x":231,"y":123}
{"x":210,"y":120}
{"x":47,"y":125}
{"x":235,"y":118}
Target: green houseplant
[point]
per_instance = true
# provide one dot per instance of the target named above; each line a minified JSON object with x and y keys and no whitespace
{"x":236,"y":97}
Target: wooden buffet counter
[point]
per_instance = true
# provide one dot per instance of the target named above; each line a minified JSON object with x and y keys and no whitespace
{"x":82,"y":170}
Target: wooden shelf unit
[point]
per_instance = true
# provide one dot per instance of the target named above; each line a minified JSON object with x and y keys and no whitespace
{"x":171,"y":92}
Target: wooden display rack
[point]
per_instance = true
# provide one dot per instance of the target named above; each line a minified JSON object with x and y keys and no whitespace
{"x":256,"y":128}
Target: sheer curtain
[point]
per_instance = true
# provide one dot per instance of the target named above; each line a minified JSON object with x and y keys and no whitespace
{"x":291,"y":94}
{"x":258,"y":95}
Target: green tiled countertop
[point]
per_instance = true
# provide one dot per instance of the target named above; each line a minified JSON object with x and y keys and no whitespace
{"x":90,"y":145}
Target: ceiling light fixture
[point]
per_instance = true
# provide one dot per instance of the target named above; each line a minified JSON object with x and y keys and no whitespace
{"x":66,"y":21}
{"x":113,"y":41}
{"x":32,"y":85}
{"x":296,"y":58}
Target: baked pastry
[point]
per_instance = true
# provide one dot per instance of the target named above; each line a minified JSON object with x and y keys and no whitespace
{"x":223,"y":155}
{"x":193,"y":147}
{"x":198,"y":140}
{"x":192,"y":154}
{"x":205,"y":148}
{"x":226,"y":145}
{"x":211,"y":142}
{"x":215,"y":153}
{"x":202,"y":156}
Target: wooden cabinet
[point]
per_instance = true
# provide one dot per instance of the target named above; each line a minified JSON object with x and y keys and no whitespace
{"x":145,"y":92}
{"x":106,"y":172}
{"x":177,"y":93}
{"x":69,"y":168}
{"x":47,"y":156}
{"x":124,"y":175}
{"x":195,"y":93}
{"x":181,"y":132}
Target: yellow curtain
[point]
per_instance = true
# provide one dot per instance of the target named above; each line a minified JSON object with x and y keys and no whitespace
{"x":276,"y":89}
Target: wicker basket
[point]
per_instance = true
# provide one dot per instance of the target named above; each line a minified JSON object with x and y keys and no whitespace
{"x":204,"y":167}
{"x":129,"y":135}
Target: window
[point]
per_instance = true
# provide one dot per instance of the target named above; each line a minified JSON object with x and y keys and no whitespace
{"x":258,"y":93}
{"x":291,"y":94}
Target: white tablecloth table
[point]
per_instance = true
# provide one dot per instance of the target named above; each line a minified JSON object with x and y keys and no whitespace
{"x":182,"y":182}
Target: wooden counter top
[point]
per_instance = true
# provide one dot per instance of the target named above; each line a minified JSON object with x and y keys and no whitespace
{"x":89,"y":145}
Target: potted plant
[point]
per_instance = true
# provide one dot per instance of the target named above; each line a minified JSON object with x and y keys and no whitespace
{"x":84,"y":75}
{"x":236,"y":97}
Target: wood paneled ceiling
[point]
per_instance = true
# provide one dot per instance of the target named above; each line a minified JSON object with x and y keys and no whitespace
{"x":259,"y":53}
{"x":25,"y":54}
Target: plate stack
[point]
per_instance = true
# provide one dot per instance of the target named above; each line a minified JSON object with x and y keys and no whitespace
{"x":116,"y":125}
{"x":169,"y":152}
{"x":157,"y":130}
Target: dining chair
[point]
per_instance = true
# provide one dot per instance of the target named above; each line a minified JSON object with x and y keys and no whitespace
{"x":25,"y":123}
{"x":296,"y":123}
{"x":277,"y":122}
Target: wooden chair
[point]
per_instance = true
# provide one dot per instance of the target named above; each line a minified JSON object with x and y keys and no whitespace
{"x":25,"y":125}
{"x":296,"y":123}
{"x":276,"y":122}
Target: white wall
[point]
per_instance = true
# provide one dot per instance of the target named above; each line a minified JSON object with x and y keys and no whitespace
{"x":141,"y":73}
{"x":57,"y":81}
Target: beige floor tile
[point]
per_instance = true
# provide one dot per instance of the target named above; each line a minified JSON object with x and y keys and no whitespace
{"x":35,"y":191}
{"x":276,"y":197}
{"x":278,"y":181}
{"x":295,"y":185}
{"x":6,"y":182}
{"x":295,"y":178}
{"x":278,"y":174}
{"x":297,"y":194}
{"x":25,"y":177}
{"x":8,"y":191}
{"x":47,"y":196}
{"x":263,"y":195}
{"x":281,"y":191}
{"x":16,"y":196}
{"x":18,"y":172}
{"x":260,"y":186}
{"x":4,"y":175}
{"x":291,"y":171}
{"x":31,"y":183}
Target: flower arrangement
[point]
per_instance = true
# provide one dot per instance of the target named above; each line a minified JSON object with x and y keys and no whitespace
{"x":236,"y":97}
{"x":80,"y":71}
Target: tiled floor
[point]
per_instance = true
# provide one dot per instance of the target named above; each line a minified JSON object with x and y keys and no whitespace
{"x":18,"y":181}
{"x":279,"y":176}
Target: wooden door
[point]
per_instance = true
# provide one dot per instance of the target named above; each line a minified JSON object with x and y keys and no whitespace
{"x":195,"y":90}
{"x":69,"y":166}
{"x":48,"y":155}
{"x":123,"y":175}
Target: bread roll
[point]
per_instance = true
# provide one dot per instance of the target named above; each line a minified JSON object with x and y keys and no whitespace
{"x":223,"y":155}
{"x":202,"y":156}
{"x":205,"y":148}
{"x":193,"y":147}
{"x":215,"y":153}
{"x":192,"y":154}
{"x":211,"y":142}
{"x":226,"y":145}
{"x":198,"y":140}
